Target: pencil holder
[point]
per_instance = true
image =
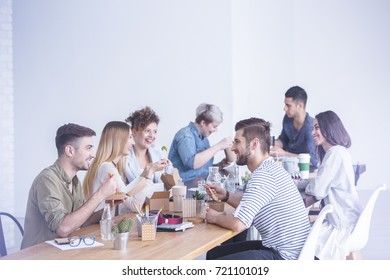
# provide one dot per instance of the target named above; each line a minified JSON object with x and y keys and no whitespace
{"x":148,"y":232}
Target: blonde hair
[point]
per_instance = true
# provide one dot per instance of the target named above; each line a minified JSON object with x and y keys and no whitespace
{"x":112,"y":142}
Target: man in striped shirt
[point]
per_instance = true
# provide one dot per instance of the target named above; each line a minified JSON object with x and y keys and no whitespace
{"x":271,"y":202}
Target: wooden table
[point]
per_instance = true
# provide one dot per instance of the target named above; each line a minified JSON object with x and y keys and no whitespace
{"x":167,"y":246}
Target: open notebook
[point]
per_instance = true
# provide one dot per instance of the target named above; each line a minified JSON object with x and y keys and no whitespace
{"x":175,"y":227}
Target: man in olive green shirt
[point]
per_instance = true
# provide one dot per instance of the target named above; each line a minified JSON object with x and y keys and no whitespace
{"x":56,"y":206}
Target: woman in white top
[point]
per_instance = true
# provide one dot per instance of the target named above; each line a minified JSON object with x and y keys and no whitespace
{"x":144,"y":125}
{"x":334,"y":184}
{"x":115,"y":144}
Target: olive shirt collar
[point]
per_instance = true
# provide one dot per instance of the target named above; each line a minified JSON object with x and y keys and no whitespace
{"x":64,"y":176}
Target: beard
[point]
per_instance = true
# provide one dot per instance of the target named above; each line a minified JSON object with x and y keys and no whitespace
{"x":243,"y":158}
{"x":85,"y":166}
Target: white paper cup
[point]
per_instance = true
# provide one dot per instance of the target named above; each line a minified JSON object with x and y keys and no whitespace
{"x":304,"y":165}
{"x":291,"y":164}
{"x":178,"y":193}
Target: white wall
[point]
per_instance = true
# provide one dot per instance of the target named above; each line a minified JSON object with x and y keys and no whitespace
{"x":90,"y":62}
{"x":263,"y":57}
{"x":347,"y":67}
{"x":337,"y":50}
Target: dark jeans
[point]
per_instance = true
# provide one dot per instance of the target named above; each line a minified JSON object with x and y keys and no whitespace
{"x":237,"y":238}
{"x":244,"y":250}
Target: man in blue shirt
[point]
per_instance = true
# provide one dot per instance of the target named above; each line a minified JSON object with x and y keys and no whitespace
{"x":296,"y":137}
{"x":190,"y":150}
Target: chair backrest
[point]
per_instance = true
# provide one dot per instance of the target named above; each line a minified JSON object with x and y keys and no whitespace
{"x":358,"y":169}
{"x":359,"y":236}
{"x":308,"y":250}
{"x":3,"y":248}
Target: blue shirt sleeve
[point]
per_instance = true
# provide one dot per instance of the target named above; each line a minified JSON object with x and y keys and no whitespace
{"x":186,"y":148}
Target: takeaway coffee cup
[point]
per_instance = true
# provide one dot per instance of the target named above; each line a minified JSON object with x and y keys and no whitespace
{"x":178,"y":193}
{"x":291,"y":164}
{"x":304,"y":165}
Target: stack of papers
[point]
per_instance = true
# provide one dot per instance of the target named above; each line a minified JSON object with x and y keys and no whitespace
{"x":175,"y":227}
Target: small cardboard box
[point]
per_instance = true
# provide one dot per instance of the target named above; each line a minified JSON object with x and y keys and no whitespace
{"x":157,"y":200}
{"x":170,"y":180}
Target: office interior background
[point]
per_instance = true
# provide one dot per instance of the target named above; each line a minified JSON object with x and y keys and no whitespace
{"x":91,"y":62}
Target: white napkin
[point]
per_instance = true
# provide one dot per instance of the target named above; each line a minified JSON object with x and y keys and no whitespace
{"x":65,"y":247}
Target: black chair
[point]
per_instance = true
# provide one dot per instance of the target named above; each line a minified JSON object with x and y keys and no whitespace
{"x":358,"y":169}
{"x":3,"y":248}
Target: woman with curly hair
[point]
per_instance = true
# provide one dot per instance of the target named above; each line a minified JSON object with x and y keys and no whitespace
{"x":144,"y":125}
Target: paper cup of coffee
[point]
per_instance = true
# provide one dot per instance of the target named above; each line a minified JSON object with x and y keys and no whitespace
{"x":291,"y":164}
{"x":178,"y":193}
{"x":304,"y":165}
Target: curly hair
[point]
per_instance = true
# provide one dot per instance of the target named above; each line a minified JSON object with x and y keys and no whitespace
{"x":140,"y":119}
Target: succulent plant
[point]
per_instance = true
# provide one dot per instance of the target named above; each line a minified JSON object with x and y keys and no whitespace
{"x":124,"y":225}
{"x":198,"y":195}
{"x":115,"y":229}
{"x":246,"y":177}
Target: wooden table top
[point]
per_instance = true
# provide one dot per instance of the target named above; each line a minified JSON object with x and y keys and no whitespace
{"x":189,"y":244}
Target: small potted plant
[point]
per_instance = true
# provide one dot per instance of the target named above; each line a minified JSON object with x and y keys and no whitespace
{"x":199,"y":197}
{"x":245,"y":179}
{"x":120,"y":233}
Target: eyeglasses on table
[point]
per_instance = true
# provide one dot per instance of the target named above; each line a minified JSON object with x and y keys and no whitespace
{"x":76,"y":241}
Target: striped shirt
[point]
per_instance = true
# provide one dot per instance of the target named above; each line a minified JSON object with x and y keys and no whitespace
{"x":272,"y":203}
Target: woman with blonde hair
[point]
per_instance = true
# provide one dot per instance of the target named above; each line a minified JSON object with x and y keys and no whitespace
{"x":114,"y":146}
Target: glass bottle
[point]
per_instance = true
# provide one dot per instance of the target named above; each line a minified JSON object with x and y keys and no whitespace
{"x":214,"y":177}
{"x":106,"y":222}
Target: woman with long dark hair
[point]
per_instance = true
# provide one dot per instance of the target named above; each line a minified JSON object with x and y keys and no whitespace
{"x":334,"y":184}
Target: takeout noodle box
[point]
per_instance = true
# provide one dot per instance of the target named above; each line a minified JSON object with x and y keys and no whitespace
{"x":170,"y":180}
{"x":217,"y":205}
{"x":117,"y":196}
{"x":158,"y":200}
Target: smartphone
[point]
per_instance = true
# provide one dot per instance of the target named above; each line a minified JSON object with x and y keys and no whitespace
{"x":62,"y":241}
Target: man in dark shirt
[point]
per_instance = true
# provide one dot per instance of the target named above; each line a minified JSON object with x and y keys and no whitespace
{"x":296,"y":137}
